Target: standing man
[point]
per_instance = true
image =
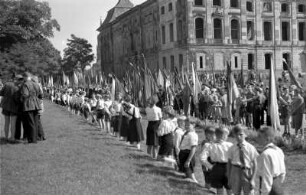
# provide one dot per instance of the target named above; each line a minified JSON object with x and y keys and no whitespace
{"x":297,"y":111}
{"x":30,"y":94}
{"x":10,"y":107}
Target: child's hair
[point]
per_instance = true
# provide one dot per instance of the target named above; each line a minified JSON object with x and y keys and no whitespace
{"x":221,"y":132}
{"x":238,"y":129}
{"x":268,"y":133}
{"x":209,"y":130}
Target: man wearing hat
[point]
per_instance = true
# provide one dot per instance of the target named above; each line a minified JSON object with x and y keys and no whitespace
{"x":297,"y":111}
{"x":9,"y":106}
{"x":30,"y":95}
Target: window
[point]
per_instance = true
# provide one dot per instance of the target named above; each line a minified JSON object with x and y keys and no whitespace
{"x":162,"y":10}
{"x":302,"y":31}
{"x":181,"y":61}
{"x":235,"y":3}
{"x":284,"y":8}
{"x":217,"y":2}
{"x":236,"y":61}
{"x":180,"y":30}
{"x":217,"y":28}
{"x":267,"y":6}
{"x":268,"y":58}
{"x":198,"y":2}
{"x":201,"y":62}
{"x":250,"y":29}
{"x":285,"y":31}
{"x":164,"y":62}
{"x":301,"y":8}
{"x":235,"y":29}
{"x":286,"y":59}
{"x":199,"y":28}
{"x":172,"y":62}
{"x":267,"y":31}
{"x":249,"y":6}
{"x":171,"y":32}
{"x":163,"y":34}
{"x":170,"y":7}
{"x":250,"y":61}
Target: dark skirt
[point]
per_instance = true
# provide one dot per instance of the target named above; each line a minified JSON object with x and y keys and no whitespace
{"x":219,"y":178}
{"x":124,"y":126}
{"x":100,"y":114}
{"x":116,"y":123}
{"x":135,"y":133}
{"x":183,"y":156}
{"x":166,"y":144}
{"x":152,"y":137}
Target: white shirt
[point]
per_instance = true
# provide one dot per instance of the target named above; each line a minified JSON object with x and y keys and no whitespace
{"x":154,"y":113}
{"x":134,"y":110}
{"x":178,"y":134}
{"x":166,"y":126}
{"x":100,"y":104}
{"x":249,"y":151}
{"x":218,"y":152}
{"x":190,"y":139}
{"x":271,"y":164}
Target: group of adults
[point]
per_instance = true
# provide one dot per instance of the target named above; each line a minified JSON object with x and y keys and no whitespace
{"x":22,"y":106}
{"x":251,"y":108}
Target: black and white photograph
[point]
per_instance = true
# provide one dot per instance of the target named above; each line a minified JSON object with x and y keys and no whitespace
{"x":152,"y":97}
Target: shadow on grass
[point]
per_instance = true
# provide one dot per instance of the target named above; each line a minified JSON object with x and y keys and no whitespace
{"x":4,"y":141}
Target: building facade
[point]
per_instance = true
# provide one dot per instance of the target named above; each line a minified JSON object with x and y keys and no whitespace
{"x":250,"y":34}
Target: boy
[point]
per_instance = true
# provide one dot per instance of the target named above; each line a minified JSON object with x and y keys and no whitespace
{"x":242,"y":164}
{"x":218,"y":154}
{"x":178,"y":134}
{"x":209,"y":139}
{"x":271,"y":164}
{"x":188,"y":148}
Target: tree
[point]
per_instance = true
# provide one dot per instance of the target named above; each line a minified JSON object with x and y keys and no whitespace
{"x":25,"y":27}
{"x":77,"y":55}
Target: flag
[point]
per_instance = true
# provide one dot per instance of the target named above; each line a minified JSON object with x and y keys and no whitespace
{"x":292,"y":77}
{"x":160,"y":78}
{"x":113,"y":89}
{"x":196,"y":85}
{"x":75,"y":80}
{"x":273,"y":105}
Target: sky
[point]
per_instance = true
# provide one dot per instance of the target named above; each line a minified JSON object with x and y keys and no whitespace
{"x":81,"y":18}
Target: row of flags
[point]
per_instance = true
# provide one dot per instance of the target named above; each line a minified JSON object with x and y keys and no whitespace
{"x":141,"y":84}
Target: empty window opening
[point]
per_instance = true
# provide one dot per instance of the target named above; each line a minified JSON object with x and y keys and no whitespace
{"x":199,"y":25}
{"x":302,"y":31}
{"x":268,"y":58}
{"x":250,"y":29}
{"x":250,"y":61}
{"x":217,"y":28}
{"x":267,"y":31}
{"x":285,"y":31}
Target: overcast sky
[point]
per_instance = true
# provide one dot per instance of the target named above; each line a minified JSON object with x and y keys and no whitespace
{"x":81,"y":18}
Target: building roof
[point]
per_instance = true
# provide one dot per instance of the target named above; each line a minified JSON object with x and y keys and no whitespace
{"x":121,"y":7}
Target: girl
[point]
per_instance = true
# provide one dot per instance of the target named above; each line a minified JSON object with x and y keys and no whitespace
{"x":100,"y":111}
{"x":165,"y":132}
{"x":107,"y":113}
{"x":154,"y":116}
{"x":135,"y":133}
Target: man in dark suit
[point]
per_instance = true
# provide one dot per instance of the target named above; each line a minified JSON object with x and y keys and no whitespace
{"x":9,"y":107}
{"x":30,"y":94}
{"x":297,"y":111}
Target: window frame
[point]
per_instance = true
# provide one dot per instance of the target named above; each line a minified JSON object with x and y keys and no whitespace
{"x":197,"y":29}
{"x":288,"y":38}
{"x":221,"y":27}
{"x":162,"y":10}
{"x":252,"y":3}
{"x":236,"y":1}
{"x":217,"y":5}
{"x":238,"y":29}
{"x":271,"y":7}
{"x":271,"y":30}
{"x":170,"y":7}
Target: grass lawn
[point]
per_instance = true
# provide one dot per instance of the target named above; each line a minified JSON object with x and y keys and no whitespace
{"x":77,"y":158}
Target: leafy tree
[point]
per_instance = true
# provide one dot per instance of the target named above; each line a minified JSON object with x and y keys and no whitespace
{"x":77,"y":55}
{"x":25,"y":27}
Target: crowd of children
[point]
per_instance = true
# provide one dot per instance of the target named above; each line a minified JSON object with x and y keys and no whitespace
{"x":234,"y":166}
